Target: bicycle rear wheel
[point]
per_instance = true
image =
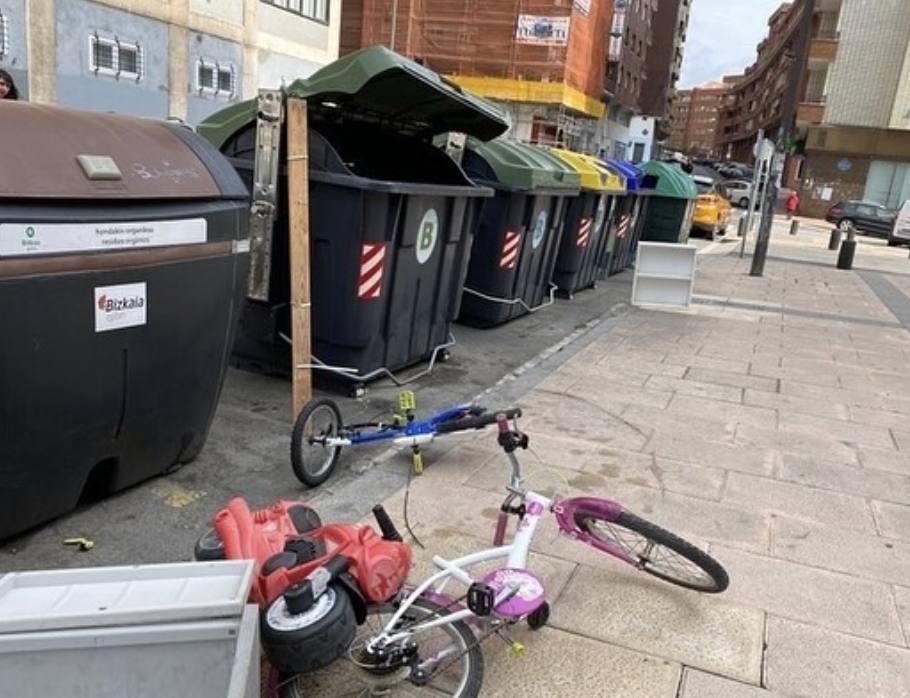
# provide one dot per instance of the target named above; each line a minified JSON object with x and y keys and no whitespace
{"x":657,"y":551}
{"x":449,"y":653}
{"x":312,"y":460}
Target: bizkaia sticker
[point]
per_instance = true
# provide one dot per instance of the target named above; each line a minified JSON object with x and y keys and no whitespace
{"x":120,"y":306}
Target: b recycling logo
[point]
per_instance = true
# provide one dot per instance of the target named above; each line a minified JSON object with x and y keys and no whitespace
{"x":427,"y":235}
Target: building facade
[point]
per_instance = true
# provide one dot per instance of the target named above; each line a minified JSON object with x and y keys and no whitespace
{"x":670,"y":24}
{"x":695,"y":128}
{"x":857,"y":145}
{"x":162,"y":58}
{"x":544,"y":63}
{"x":631,"y":38}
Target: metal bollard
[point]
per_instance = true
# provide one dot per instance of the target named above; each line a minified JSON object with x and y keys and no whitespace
{"x":834,"y":240}
{"x":794,"y":227}
{"x":741,"y":228}
{"x":847,"y":252}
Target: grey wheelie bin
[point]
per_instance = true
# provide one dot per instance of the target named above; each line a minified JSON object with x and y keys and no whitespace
{"x":671,"y":204}
{"x":625,"y":225}
{"x":122,"y":260}
{"x":391,"y":216}
{"x":517,"y":241}
{"x":586,"y":222}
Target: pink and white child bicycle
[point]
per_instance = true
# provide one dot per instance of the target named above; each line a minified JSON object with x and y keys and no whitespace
{"x":428,"y":640}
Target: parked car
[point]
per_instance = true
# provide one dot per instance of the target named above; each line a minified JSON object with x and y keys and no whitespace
{"x":900,"y":232}
{"x":738,"y":191}
{"x":712,"y":210}
{"x":862,"y":216}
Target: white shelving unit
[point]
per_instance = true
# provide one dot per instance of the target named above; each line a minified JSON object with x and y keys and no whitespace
{"x":664,"y":274}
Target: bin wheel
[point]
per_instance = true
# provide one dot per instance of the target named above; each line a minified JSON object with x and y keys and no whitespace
{"x":312,"y":460}
{"x":358,"y":391}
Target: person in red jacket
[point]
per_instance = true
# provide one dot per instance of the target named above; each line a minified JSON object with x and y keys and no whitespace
{"x":792,"y":204}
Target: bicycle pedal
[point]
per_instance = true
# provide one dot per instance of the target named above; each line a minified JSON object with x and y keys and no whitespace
{"x":480,"y":599}
{"x":407,"y":402}
{"x":518,"y":650}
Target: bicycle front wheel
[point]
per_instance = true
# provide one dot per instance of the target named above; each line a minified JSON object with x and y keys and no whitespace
{"x":448,"y":654}
{"x":311,"y":459}
{"x":657,"y":551}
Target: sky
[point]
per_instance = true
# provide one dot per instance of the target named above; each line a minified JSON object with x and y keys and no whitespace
{"x":722,"y":38}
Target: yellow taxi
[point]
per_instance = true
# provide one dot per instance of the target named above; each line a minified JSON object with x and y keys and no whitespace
{"x":712,"y":210}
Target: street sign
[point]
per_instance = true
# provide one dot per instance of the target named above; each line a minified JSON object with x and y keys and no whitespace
{"x":763,"y":150}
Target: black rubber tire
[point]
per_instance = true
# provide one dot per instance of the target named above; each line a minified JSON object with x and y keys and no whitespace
{"x":537,"y":619}
{"x":208,"y":547}
{"x":478,"y":422}
{"x":297,"y":437}
{"x":744,"y":202}
{"x":288,"y":688}
{"x":312,"y":647}
{"x":719,"y":579}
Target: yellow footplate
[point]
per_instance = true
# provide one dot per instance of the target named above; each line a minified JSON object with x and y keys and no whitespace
{"x":418,"y":463}
{"x":407,"y":402}
{"x":518,"y":650}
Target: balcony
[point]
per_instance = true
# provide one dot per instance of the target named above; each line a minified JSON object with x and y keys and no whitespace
{"x":823,"y":50}
{"x":811,"y":111}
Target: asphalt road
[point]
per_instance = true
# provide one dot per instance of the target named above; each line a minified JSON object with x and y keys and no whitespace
{"x":248,"y":448}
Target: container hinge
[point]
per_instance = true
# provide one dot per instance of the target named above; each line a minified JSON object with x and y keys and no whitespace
{"x":270,"y":116}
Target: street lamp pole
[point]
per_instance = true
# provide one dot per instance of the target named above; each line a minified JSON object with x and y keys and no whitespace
{"x":783,"y":138}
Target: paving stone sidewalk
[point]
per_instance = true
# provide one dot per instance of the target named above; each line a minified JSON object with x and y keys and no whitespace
{"x":771,"y":425}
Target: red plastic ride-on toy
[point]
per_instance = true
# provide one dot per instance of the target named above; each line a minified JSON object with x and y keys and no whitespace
{"x":312,"y":581}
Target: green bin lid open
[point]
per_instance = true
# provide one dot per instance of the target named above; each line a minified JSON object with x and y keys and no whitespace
{"x":672,"y":182}
{"x":380,"y":86}
{"x":525,"y":166}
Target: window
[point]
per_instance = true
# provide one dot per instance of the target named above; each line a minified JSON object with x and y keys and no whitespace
{"x":114,"y":57}
{"x":311,"y":9}
{"x":215,"y":78}
{"x":4,"y":36}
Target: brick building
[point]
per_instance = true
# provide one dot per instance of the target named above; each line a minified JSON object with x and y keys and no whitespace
{"x":696,"y":119}
{"x":670,"y":24}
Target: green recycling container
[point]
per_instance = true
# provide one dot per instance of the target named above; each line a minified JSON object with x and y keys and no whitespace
{"x":392,"y":217}
{"x":671,"y":204}
{"x":517,"y":241}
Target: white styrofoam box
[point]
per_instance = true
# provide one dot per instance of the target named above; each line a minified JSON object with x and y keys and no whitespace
{"x":215,"y":658}
{"x":111,"y":596}
{"x":664,"y":274}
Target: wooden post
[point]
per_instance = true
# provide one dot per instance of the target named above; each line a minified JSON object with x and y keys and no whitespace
{"x":299,"y":244}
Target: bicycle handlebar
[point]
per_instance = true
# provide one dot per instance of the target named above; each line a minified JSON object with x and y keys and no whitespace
{"x":477,"y":422}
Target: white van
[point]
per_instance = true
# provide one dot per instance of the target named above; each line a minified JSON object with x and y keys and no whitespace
{"x":900,"y":233}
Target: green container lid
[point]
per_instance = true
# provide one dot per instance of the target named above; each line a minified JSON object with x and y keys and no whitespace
{"x":672,"y":182}
{"x":379,"y":86}
{"x":525,"y":166}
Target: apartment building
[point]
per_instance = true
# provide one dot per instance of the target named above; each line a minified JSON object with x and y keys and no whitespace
{"x":631,"y":38}
{"x":670,"y":24}
{"x":856,"y":111}
{"x":161,"y":58}
{"x":696,"y":119}
{"x":545,"y":63}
